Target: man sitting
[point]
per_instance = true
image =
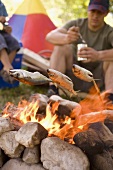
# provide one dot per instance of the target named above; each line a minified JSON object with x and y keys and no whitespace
{"x":99,"y":37}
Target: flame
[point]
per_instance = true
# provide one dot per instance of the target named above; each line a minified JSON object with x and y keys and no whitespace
{"x":93,"y":110}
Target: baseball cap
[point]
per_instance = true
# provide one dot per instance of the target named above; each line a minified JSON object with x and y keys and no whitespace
{"x":101,"y":5}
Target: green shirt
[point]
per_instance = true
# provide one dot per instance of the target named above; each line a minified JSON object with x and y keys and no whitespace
{"x":99,"y":40}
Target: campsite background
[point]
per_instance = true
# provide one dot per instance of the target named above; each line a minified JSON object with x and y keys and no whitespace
{"x":59,"y":12}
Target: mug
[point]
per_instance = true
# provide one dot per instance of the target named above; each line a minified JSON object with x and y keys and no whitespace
{"x":79,"y":46}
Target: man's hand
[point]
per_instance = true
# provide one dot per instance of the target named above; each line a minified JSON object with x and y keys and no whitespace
{"x":2,"y":19}
{"x":72,"y":35}
{"x":89,"y":53}
{"x":7,"y":29}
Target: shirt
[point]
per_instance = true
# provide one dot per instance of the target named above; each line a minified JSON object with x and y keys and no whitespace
{"x":101,"y":39}
{"x":3,"y":11}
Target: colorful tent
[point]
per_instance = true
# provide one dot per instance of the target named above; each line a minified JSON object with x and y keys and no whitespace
{"x":31,"y":24}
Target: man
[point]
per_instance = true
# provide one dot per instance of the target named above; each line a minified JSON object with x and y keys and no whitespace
{"x":8,"y":46}
{"x":99,"y":38}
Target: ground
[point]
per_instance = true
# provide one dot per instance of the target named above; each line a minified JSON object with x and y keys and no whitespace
{"x":14,"y":95}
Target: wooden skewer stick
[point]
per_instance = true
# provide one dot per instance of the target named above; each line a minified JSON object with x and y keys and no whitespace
{"x":98,"y":90}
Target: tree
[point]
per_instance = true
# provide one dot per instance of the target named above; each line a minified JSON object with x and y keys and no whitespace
{"x":62,"y":11}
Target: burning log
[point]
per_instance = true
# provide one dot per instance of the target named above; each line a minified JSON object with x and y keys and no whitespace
{"x":16,"y":123}
{"x":97,"y":143}
{"x":89,"y":142}
{"x":92,"y":117}
{"x":40,"y":117}
{"x":62,"y":155}
{"x":109,"y":124}
{"x":95,"y":139}
{"x":31,"y":134}
{"x":9,"y":145}
{"x":104,"y":133}
{"x":102,"y":161}
{"x":42,"y":102}
{"x":65,"y":107}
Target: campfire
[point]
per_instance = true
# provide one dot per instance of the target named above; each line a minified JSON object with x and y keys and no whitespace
{"x":55,"y":133}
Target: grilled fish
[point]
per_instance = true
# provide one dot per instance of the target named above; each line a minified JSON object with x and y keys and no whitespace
{"x":63,"y":81}
{"x":82,"y":73}
{"x":29,"y":78}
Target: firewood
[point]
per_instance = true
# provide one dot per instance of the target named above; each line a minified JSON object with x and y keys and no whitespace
{"x":95,"y":139}
{"x":89,"y":142}
{"x":35,"y":59}
{"x":104,"y":133}
{"x":65,"y":107}
{"x":42,"y":102}
{"x":109,"y":124}
{"x":103,"y":161}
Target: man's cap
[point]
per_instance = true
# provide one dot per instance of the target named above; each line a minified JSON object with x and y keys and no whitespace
{"x":101,"y":5}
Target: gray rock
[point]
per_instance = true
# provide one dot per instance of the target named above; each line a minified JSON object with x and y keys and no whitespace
{"x":18,"y":164}
{"x":9,"y":145}
{"x":32,"y":155}
{"x":31,"y":134}
{"x":57,"y":154}
{"x":5,"y":125}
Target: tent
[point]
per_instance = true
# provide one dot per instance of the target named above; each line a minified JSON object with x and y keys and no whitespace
{"x":30,"y":25}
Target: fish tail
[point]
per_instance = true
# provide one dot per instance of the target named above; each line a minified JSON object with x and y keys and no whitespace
{"x":75,"y":92}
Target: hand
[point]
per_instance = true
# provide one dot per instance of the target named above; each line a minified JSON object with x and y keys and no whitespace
{"x":89,"y":53}
{"x":72,"y":34}
{"x":2,"y":19}
{"x":8,"y":29}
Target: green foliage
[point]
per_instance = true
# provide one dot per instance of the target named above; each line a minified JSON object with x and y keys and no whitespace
{"x":75,"y":9}
{"x":111,"y":6}
{"x":59,"y":11}
{"x":65,"y":10}
{"x":62,"y":11}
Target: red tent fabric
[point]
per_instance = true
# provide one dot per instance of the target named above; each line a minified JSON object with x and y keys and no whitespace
{"x":31,"y":24}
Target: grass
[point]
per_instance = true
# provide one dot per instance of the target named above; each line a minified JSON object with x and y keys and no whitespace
{"x":23,"y":91}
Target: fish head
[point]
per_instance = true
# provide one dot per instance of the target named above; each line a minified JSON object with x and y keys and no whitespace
{"x":82,"y":73}
{"x":16,"y":73}
{"x":75,"y":68}
{"x":52,"y":74}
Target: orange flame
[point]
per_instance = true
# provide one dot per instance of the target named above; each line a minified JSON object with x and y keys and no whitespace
{"x":93,"y":110}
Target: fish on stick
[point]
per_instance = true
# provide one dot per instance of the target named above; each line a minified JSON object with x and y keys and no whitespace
{"x":30,"y":78}
{"x":61,"y":80}
{"x":82,"y":73}
{"x":85,"y":75}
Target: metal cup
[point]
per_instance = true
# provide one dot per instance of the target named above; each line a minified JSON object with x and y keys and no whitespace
{"x":79,"y":46}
